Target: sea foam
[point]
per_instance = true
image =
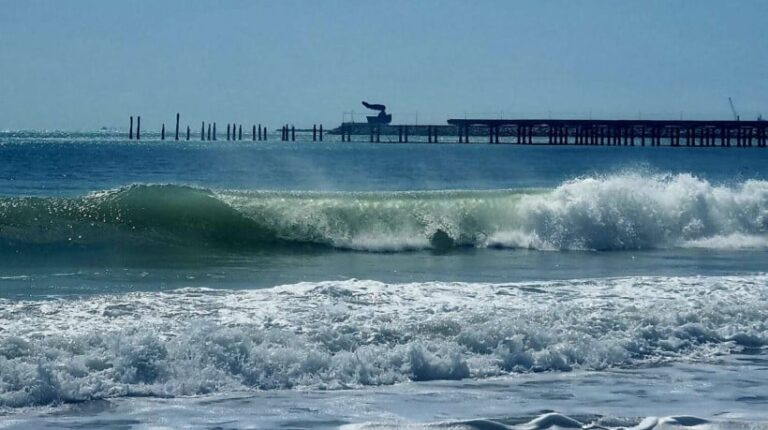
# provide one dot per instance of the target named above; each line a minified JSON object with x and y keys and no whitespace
{"x":347,"y":334}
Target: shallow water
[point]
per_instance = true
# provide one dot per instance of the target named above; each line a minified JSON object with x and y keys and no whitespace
{"x":168,"y":284}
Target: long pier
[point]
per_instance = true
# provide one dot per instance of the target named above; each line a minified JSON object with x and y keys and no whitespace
{"x":617,"y":132}
{"x":690,"y":133}
{"x":675,"y":133}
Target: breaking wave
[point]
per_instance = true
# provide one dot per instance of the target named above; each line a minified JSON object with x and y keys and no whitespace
{"x":347,"y":334}
{"x":619,"y":212}
{"x":556,"y":421}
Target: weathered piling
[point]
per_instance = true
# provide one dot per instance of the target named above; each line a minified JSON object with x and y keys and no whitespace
{"x":138,"y":128}
{"x":260,"y":133}
{"x":187,"y":132}
{"x":253,"y":133}
{"x":202,"y":130}
{"x":209,"y":131}
{"x":214,"y":131}
{"x":314,"y":132}
{"x":130,"y":130}
{"x":240,"y":132}
{"x":321,"y":133}
{"x":227,"y":131}
{"x":177,"y":126}
{"x":162,"y":132}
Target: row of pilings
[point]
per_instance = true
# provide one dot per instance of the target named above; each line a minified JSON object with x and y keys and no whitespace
{"x":651,"y":133}
{"x":234,"y":131}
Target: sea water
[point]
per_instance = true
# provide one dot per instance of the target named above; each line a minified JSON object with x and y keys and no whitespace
{"x":164,"y":284}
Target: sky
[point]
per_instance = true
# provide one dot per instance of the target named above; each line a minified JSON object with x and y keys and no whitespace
{"x":84,"y":64}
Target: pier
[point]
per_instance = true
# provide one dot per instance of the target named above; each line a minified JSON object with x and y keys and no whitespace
{"x":592,"y":132}
{"x":615,"y":132}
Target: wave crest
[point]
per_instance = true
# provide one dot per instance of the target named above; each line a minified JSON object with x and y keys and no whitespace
{"x":619,"y":212}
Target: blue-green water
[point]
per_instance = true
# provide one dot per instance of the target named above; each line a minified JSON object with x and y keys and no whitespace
{"x":239,"y":272}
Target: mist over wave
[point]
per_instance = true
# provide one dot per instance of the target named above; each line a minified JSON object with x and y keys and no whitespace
{"x":631,"y":211}
{"x":347,"y":334}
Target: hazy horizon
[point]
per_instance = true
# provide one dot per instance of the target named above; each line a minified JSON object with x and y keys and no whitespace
{"x":82,"y":65}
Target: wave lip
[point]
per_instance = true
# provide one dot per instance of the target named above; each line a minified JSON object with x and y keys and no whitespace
{"x":556,"y":421}
{"x":348,"y":334}
{"x":629,"y":211}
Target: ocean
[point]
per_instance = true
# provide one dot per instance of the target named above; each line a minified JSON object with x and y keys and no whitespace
{"x":161,"y":284}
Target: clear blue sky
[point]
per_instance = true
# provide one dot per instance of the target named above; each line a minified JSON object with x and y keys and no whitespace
{"x":83,"y":64}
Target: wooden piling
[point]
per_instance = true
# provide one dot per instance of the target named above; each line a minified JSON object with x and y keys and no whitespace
{"x":259,"y":133}
{"x":240,"y":132}
{"x":138,"y":128}
{"x":202,"y":130}
{"x":293,"y":133}
{"x":321,"y":133}
{"x":314,"y":132}
{"x":130,"y":130}
{"x":177,"y":126}
{"x":227,"y":131}
{"x":162,"y":132}
{"x":214,"y":131}
{"x":209,"y":131}
{"x":253,"y":133}
{"x":187,"y":132}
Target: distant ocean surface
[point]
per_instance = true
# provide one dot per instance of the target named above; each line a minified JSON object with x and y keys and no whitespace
{"x":164,"y":284}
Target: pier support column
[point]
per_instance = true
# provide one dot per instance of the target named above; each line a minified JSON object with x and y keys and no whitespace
{"x":177,"y":126}
{"x":187,"y":132}
{"x":162,"y":132}
{"x":202,"y":130}
{"x":320,"y":132}
{"x":130,"y":130}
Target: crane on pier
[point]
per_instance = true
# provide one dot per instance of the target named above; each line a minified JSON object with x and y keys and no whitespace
{"x":733,"y":110}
